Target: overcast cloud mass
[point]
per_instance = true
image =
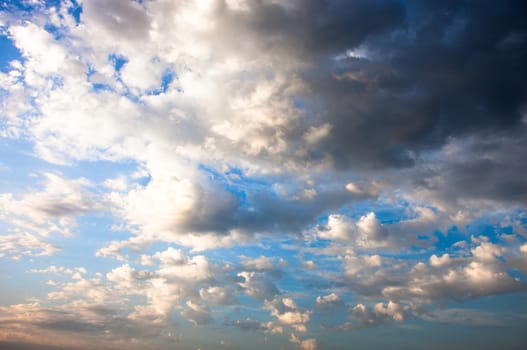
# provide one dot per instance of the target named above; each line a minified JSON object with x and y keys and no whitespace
{"x":301,"y":174}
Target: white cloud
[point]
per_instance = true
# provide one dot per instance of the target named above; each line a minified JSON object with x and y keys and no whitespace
{"x":309,"y":265}
{"x":367,"y":232}
{"x":25,"y":244}
{"x":305,"y":344}
{"x":381,"y":313}
{"x":436,"y":261}
{"x":34,"y":216}
{"x":258,"y":264}
{"x":329,"y":302}
{"x":218,"y":295}
{"x":391,"y":309}
{"x":316,"y":135}
{"x":259,"y":285}
{"x":288,"y":313}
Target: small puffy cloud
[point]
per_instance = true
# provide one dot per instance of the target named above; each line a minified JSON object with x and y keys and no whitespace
{"x":392,"y":309}
{"x":195,"y":268}
{"x":371,"y":231}
{"x":218,"y":295}
{"x":487,"y":252}
{"x":477,"y":275}
{"x":258,"y":264}
{"x":288,"y":313}
{"x":380,"y":314}
{"x":363,"y":188}
{"x":20,"y":244}
{"x":367,"y":232}
{"x":305,"y":344}
{"x":259,"y":285}
{"x":316,"y":135}
{"x":372,"y":260}
{"x":338,"y":227}
{"x":309,"y":265}
{"x":436,"y":261}
{"x":329,"y":302}
{"x":60,"y":270}
{"x":127,"y":278}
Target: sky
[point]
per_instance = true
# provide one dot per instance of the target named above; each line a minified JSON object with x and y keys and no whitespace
{"x":264,"y":174}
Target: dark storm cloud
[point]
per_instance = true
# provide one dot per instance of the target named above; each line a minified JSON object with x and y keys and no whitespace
{"x":291,"y":211}
{"x":310,"y":27}
{"x":452,"y":68}
{"x":428,"y":70}
{"x":490,"y":167}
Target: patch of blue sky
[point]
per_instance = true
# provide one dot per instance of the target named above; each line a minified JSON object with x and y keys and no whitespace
{"x":17,"y":290}
{"x":166,"y":80}
{"x":237,"y":179}
{"x":19,"y":166}
{"x":491,"y":226}
{"x":56,"y":81}
{"x":98,"y":171}
{"x":118,"y":61}
{"x":80,"y":249}
{"x":23,"y":5}
{"x":304,"y":285}
{"x":301,"y":102}
{"x":8,"y":52}
{"x":75,"y":11}
{"x":386,"y":210}
{"x":97,"y":87}
{"x":236,"y":183}
{"x":132,"y":97}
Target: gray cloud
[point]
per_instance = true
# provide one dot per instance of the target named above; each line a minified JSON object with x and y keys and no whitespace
{"x":490,"y":167}
{"x":414,"y":88}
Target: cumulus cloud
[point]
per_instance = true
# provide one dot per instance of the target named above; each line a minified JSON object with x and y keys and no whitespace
{"x":305,"y":344}
{"x":380,"y":314}
{"x":288,"y":313}
{"x":259,"y":285}
{"x":258,"y":264}
{"x":330,"y":302}
{"x":218,"y":295}
{"x":366,"y":232}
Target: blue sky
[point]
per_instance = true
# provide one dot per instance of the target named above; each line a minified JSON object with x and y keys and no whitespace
{"x":280,"y":175}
